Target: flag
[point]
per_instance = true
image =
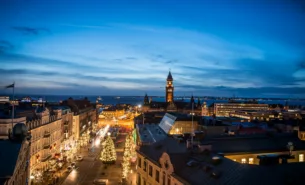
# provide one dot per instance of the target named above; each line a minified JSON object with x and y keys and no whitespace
{"x":10,"y":86}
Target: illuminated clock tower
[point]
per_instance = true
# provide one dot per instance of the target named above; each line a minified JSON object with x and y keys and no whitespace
{"x":169,"y":88}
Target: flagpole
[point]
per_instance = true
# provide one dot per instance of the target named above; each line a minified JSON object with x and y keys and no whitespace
{"x":192,"y":139}
{"x":13,"y":105}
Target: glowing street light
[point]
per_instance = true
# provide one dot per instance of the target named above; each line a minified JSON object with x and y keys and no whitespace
{"x":108,"y":133}
{"x":139,"y":106}
{"x":97,"y":142}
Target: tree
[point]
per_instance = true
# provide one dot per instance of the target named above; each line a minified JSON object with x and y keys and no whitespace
{"x":132,"y":147}
{"x":126,"y":157}
{"x":108,"y":155}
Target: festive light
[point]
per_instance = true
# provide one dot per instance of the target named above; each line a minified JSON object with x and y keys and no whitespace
{"x":129,"y":153}
{"x":108,"y":155}
{"x":126,"y":158}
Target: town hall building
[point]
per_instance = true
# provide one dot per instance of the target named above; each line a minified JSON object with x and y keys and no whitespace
{"x":171,"y":105}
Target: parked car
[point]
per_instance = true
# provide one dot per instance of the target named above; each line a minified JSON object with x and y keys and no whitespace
{"x":73,"y":164}
{"x":69,"y":169}
{"x":100,"y":181}
{"x":79,"y":158}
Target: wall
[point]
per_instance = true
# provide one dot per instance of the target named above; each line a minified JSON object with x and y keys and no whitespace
{"x":145,"y":177}
{"x":239,"y":157}
{"x":22,"y":169}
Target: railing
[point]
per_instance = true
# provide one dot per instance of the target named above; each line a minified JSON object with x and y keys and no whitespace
{"x":46,"y":146}
{"x":46,"y":157}
{"x":46,"y":134}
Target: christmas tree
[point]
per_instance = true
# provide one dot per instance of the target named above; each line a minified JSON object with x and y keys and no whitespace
{"x":133,"y":153}
{"x":126,"y":157}
{"x":108,"y":155}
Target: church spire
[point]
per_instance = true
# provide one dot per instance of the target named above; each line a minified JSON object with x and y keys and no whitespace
{"x":146,"y":100}
{"x":192,"y":99}
{"x":198,"y":102}
{"x":169,"y":76}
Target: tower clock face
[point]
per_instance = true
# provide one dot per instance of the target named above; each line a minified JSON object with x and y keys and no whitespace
{"x":169,"y":90}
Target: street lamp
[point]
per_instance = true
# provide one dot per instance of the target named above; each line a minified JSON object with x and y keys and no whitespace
{"x":108,"y":133}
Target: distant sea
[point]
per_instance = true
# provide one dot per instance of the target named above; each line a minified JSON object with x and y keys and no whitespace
{"x":137,"y":100}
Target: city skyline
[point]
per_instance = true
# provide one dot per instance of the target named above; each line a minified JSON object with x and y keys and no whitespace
{"x":114,"y":47}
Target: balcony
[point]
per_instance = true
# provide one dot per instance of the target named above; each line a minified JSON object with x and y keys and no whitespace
{"x":46,"y":146}
{"x":46,"y":134}
{"x":46,"y":157}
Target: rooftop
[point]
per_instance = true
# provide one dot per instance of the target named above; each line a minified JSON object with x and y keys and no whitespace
{"x":8,"y":157}
{"x":198,"y":168}
{"x":255,"y":143}
{"x":150,"y":133}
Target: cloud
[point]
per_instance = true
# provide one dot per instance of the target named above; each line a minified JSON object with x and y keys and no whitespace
{"x":5,"y":46}
{"x":198,"y":61}
{"x":131,"y":58}
{"x":31,"y":31}
{"x":85,"y":26}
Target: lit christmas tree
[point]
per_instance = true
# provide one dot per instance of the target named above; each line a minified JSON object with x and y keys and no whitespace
{"x":108,"y":155}
{"x":126,"y":157}
{"x":133,"y":153}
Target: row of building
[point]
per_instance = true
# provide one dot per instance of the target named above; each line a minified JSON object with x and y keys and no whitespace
{"x":248,"y":110}
{"x":189,"y":143}
{"x":169,"y":155}
{"x":57,"y":131}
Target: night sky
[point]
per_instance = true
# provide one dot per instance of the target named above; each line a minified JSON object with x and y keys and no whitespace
{"x":126,"y":47}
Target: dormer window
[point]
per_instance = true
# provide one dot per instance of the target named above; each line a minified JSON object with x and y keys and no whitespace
{"x":166,"y":165}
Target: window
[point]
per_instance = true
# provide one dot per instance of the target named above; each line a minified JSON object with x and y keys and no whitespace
{"x":234,"y":159}
{"x":157,"y":175}
{"x":251,"y":161}
{"x":150,"y":170}
{"x":139,"y":179}
{"x":168,"y":180}
{"x":301,"y":157}
{"x":243,"y":160}
{"x":139,"y":162}
{"x":164,"y":177}
{"x":144,"y":166}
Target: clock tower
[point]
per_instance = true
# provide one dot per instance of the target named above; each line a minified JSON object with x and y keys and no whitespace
{"x":169,"y":90}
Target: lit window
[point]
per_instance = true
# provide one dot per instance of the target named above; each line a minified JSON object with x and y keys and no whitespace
{"x":234,"y":159}
{"x":243,"y":160}
{"x":251,"y":160}
{"x":301,"y":158}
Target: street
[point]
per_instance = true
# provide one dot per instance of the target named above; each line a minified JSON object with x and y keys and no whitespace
{"x":85,"y":171}
{"x":90,"y":169}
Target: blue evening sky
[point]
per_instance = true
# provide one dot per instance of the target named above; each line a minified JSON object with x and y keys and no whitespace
{"x":126,"y":47}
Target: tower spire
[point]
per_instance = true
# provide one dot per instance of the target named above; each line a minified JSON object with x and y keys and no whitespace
{"x":169,"y":76}
{"x":169,"y":94}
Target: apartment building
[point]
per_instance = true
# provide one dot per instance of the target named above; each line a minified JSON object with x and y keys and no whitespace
{"x":84,"y":119}
{"x":225,"y":109}
{"x":113,"y":112}
{"x":265,"y":115}
{"x":170,"y":162}
{"x":46,"y":139}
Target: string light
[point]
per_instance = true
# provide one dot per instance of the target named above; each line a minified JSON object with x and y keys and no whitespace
{"x":128,"y":154}
{"x":108,"y":155}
